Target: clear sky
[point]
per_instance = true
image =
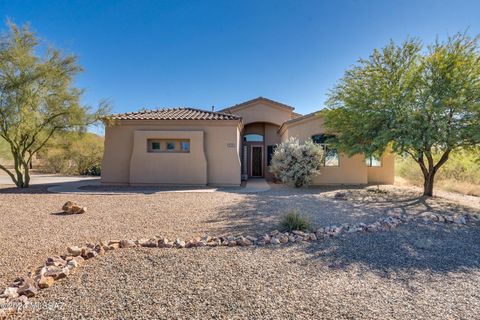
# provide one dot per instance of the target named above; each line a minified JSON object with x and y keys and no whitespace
{"x":201,"y":53}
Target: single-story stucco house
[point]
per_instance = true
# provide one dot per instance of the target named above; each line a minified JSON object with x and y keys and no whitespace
{"x":186,"y":146}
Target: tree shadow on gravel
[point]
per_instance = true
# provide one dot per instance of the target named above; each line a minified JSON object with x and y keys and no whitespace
{"x":261,"y":212}
{"x":407,"y":249}
{"x":34,"y":189}
{"x":435,"y":248}
{"x":62,"y":213}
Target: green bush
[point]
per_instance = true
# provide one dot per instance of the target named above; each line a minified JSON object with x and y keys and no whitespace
{"x":295,"y":221}
{"x":94,"y":170}
{"x":74,"y":153}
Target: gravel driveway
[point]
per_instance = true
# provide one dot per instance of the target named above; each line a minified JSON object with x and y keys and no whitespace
{"x":344,"y":274}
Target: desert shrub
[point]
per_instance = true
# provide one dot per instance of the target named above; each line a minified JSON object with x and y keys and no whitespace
{"x":86,"y":155}
{"x":76,"y":154}
{"x":94,"y":170}
{"x":296,"y":163}
{"x":295,"y":221}
{"x":54,"y":161}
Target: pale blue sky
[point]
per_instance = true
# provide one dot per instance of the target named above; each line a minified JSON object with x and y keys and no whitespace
{"x":202,"y":53}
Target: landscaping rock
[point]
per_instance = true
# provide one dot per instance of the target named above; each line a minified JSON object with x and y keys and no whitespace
{"x":299,"y":233}
{"x":283,"y":239}
{"x":20,"y":300}
{"x":449,"y":219}
{"x":11,"y":292}
{"x":459,"y":220}
{"x":99,"y":249}
{"x":88,"y":253}
{"x":266,"y":239}
{"x":274,"y":241}
{"x":72,"y":208}
{"x":74,"y":251}
{"x":340,"y":195}
{"x":55,"y":261}
{"x":45,"y":282}
{"x":179,"y":243}
{"x":28,"y":288}
{"x":127,"y":244}
{"x":242,"y":241}
{"x":57,"y":273}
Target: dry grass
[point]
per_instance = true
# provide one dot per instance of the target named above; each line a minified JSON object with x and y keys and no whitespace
{"x":461,"y":187}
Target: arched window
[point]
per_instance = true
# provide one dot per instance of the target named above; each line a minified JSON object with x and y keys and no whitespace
{"x":252,"y":137}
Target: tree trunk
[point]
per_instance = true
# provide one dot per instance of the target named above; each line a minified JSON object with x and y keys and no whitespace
{"x":22,"y":175}
{"x":428,"y":184}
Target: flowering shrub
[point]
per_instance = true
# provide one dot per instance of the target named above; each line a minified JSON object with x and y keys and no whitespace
{"x":295,"y":163}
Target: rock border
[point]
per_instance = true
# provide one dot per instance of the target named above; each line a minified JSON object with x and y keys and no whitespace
{"x":16,"y":296}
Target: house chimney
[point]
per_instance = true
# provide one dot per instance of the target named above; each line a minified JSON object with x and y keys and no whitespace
{"x":213,"y":108}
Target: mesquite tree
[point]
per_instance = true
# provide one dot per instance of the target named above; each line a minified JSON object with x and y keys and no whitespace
{"x":37,"y":98}
{"x":413,"y":100}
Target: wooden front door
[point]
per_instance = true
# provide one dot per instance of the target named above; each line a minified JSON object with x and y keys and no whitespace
{"x":257,"y":161}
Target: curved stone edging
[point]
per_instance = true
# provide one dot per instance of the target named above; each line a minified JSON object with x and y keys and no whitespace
{"x":17,"y":295}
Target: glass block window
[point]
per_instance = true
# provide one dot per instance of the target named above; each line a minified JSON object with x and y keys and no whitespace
{"x":185,"y":146}
{"x":170,"y":145}
{"x":155,"y":145}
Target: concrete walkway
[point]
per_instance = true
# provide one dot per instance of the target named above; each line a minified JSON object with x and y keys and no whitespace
{"x":73,"y":184}
{"x":252,"y":186}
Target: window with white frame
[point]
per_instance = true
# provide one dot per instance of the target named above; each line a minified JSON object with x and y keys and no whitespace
{"x":330,"y":157}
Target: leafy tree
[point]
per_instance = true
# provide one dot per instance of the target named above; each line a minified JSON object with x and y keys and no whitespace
{"x":4,"y":150}
{"x":416,"y":101}
{"x":73,"y":153}
{"x":37,"y":98}
{"x":296,"y":163}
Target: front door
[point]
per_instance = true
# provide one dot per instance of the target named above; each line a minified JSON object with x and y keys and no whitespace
{"x":256,"y":161}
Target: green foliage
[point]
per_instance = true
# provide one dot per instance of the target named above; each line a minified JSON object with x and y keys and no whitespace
{"x":295,"y":221}
{"x":74,"y":153}
{"x":296,"y":163}
{"x":5,"y":151}
{"x":37,"y":98}
{"x":414,"y":101}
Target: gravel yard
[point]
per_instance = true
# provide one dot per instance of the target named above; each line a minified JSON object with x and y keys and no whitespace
{"x":432,"y":269}
{"x":413,"y":272}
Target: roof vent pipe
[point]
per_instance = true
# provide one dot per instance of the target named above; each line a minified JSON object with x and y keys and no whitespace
{"x":213,"y":108}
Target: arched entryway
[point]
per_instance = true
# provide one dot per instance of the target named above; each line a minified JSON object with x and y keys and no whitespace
{"x":258,"y":142}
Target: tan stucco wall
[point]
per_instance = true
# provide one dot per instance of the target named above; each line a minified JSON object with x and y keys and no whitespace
{"x":220,"y":143}
{"x":168,"y":167}
{"x":351,"y":170}
{"x":272,"y":138}
{"x":263,"y":112}
{"x":384,"y":174}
